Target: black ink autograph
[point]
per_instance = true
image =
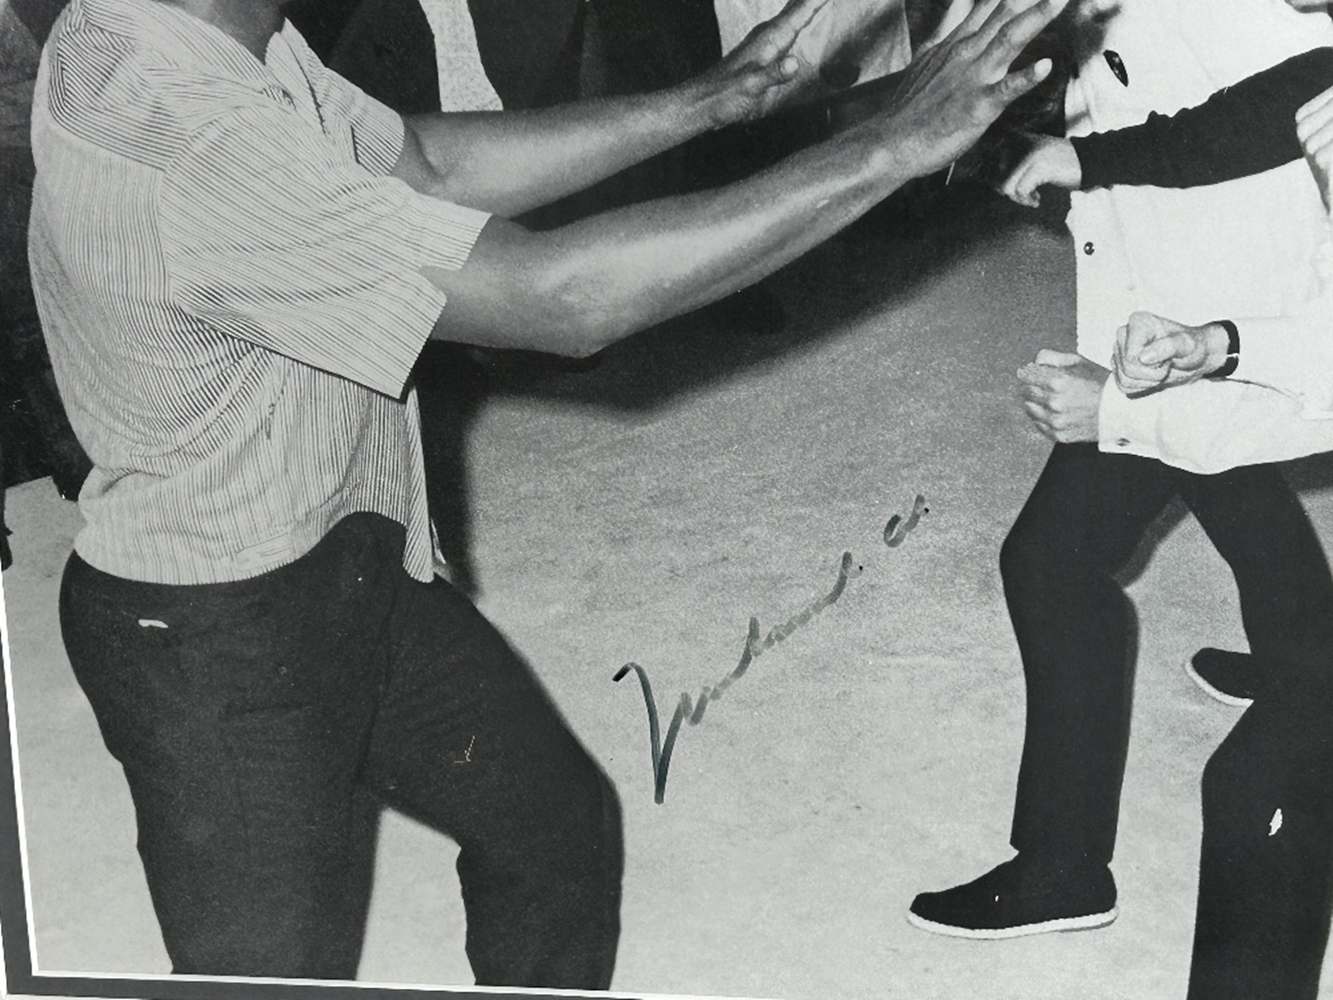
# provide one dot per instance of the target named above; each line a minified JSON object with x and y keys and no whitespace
{"x":892,"y":536}
{"x":894,"y":533}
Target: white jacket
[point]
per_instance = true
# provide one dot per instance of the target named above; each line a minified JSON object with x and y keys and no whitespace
{"x":1247,"y":250}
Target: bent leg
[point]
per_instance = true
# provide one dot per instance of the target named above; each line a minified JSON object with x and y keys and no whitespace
{"x":1266,"y":865}
{"x":238,"y":712}
{"x":467,"y":741}
{"x":1257,"y":523}
{"x":1075,"y":632}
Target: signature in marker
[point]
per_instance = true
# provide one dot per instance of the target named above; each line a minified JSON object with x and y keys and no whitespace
{"x":690,"y":711}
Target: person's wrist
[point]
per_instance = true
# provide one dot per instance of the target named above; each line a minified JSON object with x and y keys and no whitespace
{"x":1073,"y":165}
{"x":1221,"y":349}
{"x":708,"y":101}
{"x":894,"y":162}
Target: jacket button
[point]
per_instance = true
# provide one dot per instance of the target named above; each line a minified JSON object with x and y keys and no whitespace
{"x":1088,"y":248}
{"x":1122,"y":442}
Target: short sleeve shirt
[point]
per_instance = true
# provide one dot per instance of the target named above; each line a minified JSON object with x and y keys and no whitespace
{"x":232,"y":293}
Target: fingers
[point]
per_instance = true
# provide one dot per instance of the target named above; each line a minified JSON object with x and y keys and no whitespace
{"x":1314,"y":128}
{"x":1016,"y":84}
{"x":975,"y":18}
{"x":1042,"y":384}
{"x":1039,"y":419}
{"x":1144,"y":350}
{"x":1035,"y":375}
{"x":1022,"y":186}
{"x":1061,"y":421}
{"x":780,"y":34}
{"x":1316,"y":138}
{"x":761,"y":78}
{"x":1176,"y":346}
{"x":1057,"y":359}
{"x":1138,"y":382}
{"x":1155,"y":349}
{"x":1034,"y":172}
{"x":998,"y":41}
{"x":1061,"y":395}
{"x":1143,"y":330}
{"x":1015,"y":187}
{"x":1053,"y":421}
{"x":1034,"y":392}
{"x":1046,"y":401}
{"x":1135,"y":377}
{"x":954,"y":16}
{"x":997,"y":19}
{"x":1011,"y":26}
{"x":1314,"y":114}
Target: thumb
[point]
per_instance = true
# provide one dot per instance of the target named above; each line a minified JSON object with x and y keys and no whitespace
{"x":1019,"y":82}
{"x":1172,"y":347}
{"x":1056,"y":359}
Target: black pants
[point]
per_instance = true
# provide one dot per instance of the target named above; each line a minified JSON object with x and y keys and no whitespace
{"x":249,"y":716}
{"x":1267,"y":858}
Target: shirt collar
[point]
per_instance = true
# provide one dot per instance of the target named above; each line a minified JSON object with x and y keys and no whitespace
{"x":181,"y":37}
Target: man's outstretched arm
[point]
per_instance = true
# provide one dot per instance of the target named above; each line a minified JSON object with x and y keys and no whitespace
{"x":1239,"y":131}
{"x":511,"y":161}
{"x":576,"y":289}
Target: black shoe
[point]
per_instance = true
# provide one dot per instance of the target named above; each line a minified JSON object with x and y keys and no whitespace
{"x":1019,"y":898}
{"x":1231,"y":678}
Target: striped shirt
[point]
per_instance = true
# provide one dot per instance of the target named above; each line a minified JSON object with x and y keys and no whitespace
{"x":231,"y":291}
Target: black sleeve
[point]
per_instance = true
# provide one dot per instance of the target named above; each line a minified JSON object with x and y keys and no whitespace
{"x":1241,"y":130}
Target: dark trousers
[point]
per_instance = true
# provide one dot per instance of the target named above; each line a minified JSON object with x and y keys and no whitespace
{"x":1266,"y":866}
{"x":250,"y":716}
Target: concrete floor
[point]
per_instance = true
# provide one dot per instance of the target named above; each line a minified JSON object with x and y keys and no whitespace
{"x":644,"y":511}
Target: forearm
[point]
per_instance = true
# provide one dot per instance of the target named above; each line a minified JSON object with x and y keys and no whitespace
{"x":1241,"y":130}
{"x":577,"y":289}
{"x":512,"y":161}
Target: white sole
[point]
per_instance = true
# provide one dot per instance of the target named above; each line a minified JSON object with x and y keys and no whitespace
{"x":1212,"y":692}
{"x":1084,"y":923}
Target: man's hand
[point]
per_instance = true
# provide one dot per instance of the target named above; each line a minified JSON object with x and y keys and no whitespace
{"x":776,"y":62}
{"x":808,"y":50}
{"x":577,"y":288}
{"x":1314,"y":127}
{"x":1062,"y":394}
{"x":1051,"y":162}
{"x":1152,"y":353}
{"x":855,"y":41}
{"x":953,"y":91}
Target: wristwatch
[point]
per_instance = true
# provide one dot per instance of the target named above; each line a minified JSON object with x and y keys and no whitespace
{"x":1228,"y":367}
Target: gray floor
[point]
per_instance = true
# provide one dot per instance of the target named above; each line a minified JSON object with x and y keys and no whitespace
{"x":644,"y":511}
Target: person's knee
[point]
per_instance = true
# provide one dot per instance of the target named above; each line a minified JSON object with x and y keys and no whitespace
{"x":585,"y":823}
{"x":1026,"y":558}
{"x":1229,"y":789}
{"x":563,"y":845}
{"x":1245,"y":802}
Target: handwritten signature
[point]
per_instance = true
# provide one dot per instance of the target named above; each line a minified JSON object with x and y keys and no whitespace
{"x":895,"y":532}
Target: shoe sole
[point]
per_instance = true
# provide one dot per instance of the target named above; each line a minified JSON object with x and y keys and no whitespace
{"x":1215,"y":693}
{"x":1084,"y":923}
